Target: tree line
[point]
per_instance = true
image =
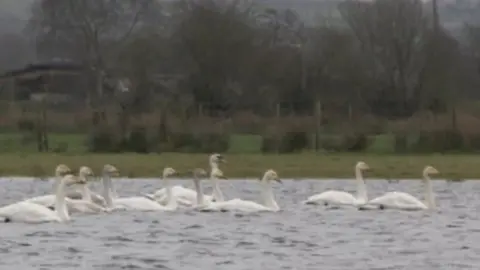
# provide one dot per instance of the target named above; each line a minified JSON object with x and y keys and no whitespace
{"x":385,"y":59}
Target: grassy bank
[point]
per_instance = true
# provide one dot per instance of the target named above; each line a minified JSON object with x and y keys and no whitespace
{"x":250,"y":165}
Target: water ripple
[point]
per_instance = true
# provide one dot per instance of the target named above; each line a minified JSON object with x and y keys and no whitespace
{"x":298,"y":237}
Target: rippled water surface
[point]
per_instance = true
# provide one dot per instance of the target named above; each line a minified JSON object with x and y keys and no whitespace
{"x":299,"y":237}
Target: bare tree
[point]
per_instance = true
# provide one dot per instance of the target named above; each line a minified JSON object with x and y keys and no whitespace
{"x":393,"y":36}
{"x":217,"y":38}
{"x":88,"y":31}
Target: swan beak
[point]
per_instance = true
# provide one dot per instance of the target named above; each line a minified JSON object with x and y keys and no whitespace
{"x":222,"y":177}
{"x":278,"y":180}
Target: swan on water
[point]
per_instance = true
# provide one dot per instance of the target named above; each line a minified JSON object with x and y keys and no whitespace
{"x":29,"y":212}
{"x":47,"y":200}
{"x":405,"y":201}
{"x":84,"y":205}
{"x":186,"y":196}
{"x":140,"y":202}
{"x":334,"y":197}
{"x":268,"y":200}
{"x":84,"y":192}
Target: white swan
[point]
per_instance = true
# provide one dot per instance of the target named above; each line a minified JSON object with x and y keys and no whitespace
{"x":84,"y":205}
{"x":107,"y":192}
{"x":405,"y":201}
{"x":269,"y":203}
{"x":144,"y":204}
{"x":28,"y":212}
{"x":47,"y":200}
{"x":335,"y":197}
{"x":84,"y":191}
{"x":186,"y":196}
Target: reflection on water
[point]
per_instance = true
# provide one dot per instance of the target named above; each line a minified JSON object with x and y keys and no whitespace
{"x":299,"y":237}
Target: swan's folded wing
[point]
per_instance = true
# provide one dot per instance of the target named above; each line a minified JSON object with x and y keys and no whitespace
{"x":241,"y":205}
{"x":45,"y":200}
{"x":399,"y":200}
{"x":333,"y":197}
{"x":28,"y":213}
{"x":138,"y":203}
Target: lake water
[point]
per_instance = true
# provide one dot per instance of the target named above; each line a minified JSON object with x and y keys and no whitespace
{"x":299,"y":237}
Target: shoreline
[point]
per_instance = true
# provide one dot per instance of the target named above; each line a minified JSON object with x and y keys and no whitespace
{"x":241,"y":166}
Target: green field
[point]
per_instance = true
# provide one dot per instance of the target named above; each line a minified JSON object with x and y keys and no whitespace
{"x":244,"y":160}
{"x":295,"y":166}
{"x":239,"y":144}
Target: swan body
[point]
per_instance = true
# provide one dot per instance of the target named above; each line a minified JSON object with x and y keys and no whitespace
{"x":78,"y":195}
{"x":187,"y":197}
{"x":184,"y":196}
{"x":28,"y":212}
{"x":405,"y":201}
{"x":235,"y":205}
{"x":334,"y":197}
{"x":269,"y":203}
{"x":85,"y":204}
{"x":47,"y":200}
{"x":398,"y":200}
{"x":74,"y":206}
{"x":139,"y":203}
{"x":341,"y":198}
{"x":82,"y":205}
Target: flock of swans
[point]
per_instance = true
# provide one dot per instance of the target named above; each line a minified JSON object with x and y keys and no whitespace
{"x":72,"y":195}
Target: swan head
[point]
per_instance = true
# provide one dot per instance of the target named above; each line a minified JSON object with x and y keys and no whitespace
{"x":85,"y":172}
{"x":362,"y":166}
{"x":169,"y":172}
{"x":199,"y":172}
{"x":428,"y":170}
{"x":271,"y":175}
{"x":217,"y":159}
{"x":62,"y":170}
{"x":71,"y":179}
{"x":110,"y":170}
{"x":217,"y":174}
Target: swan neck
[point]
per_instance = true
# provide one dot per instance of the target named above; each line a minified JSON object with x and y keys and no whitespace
{"x":361,"y":189}
{"x":86,"y":193}
{"x":56,"y":182}
{"x":171,"y":201}
{"x":429,"y":197}
{"x":267,"y":196}
{"x":60,"y":204}
{"x":199,"y":190}
{"x":107,"y":190}
{"x":217,"y":192}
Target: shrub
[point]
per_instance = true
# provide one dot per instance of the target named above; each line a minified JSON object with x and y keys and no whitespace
{"x":355,"y":142}
{"x":205,"y":142}
{"x":331,"y":143}
{"x":102,"y":142}
{"x":288,"y":142}
{"x":137,"y":141}
{"x":26,"y":125}
{"x":440,"y":141}
{"x":269,"y":144}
